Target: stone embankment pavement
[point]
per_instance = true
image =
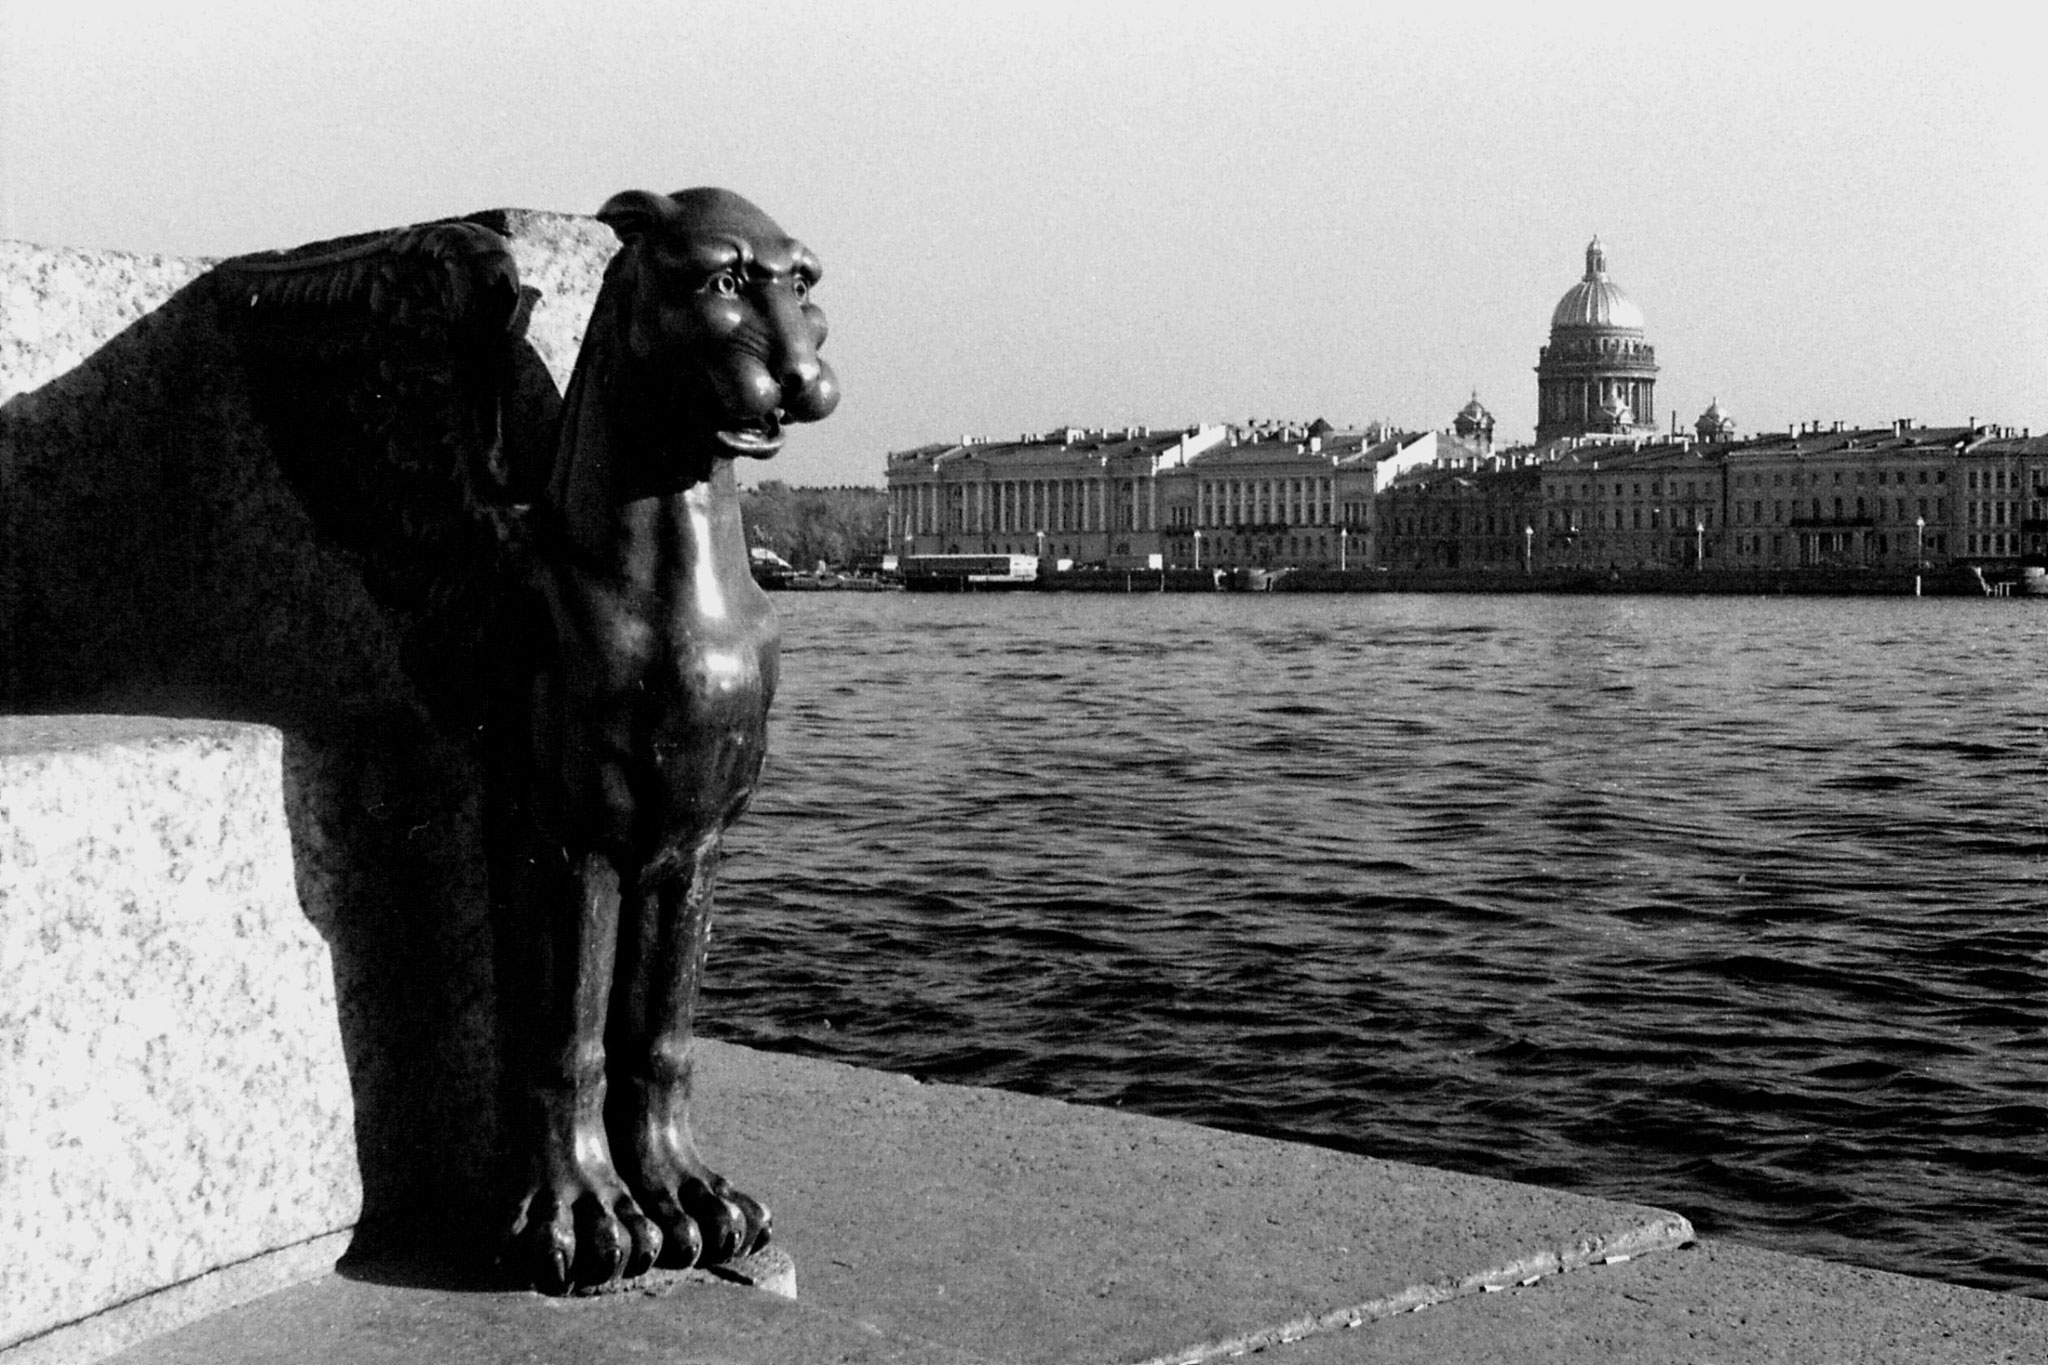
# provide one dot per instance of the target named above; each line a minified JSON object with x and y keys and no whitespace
{"x":933,"y":1223}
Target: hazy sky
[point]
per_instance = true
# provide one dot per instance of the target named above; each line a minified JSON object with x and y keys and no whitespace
{"x":1108,"y":213}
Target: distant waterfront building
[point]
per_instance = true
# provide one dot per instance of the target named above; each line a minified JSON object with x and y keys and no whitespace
{"x":1279,"y":495}
{"x":1081,"y":494}
{"x":1639,"y":504}
{"x":1459,"y":515}
{"x":1598,"y":374}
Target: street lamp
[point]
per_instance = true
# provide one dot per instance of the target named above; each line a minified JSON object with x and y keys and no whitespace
{"x":1041,"y":546}
{"x":1919,"y":551}
{"x":1343,"y":547}
{"x":1699,"y":546}
{"x":1198,"y":547}
{"x":1528,"y":549}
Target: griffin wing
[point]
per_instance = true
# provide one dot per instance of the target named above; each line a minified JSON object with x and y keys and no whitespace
{"x":386,"y":370}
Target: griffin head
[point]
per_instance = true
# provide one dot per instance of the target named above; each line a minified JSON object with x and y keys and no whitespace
{"x":714,"y":315}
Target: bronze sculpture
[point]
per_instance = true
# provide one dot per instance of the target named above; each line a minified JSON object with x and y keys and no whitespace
{"x":574,"y":590}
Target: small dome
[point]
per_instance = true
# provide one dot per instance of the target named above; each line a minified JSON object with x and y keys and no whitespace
{"x":1617,"y":412}
{"x":1473,"y":419}
{"x":1714,"y":421}
{"x":1597,"y":301}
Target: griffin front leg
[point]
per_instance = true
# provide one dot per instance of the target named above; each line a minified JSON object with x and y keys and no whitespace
{"x":704,"y":1219}
{"x":574,"y":1225}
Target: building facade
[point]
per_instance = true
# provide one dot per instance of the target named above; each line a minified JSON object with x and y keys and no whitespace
{"x":1263,"y":494}
{"x":1076,"y":494}
{"x":1275,"y":496}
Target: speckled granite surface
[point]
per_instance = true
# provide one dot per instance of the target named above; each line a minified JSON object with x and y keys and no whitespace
{"x":563,"y":255}
{"x":173,"y":1094}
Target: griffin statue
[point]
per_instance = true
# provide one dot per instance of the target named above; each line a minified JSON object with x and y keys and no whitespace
{"x":573,"y":589}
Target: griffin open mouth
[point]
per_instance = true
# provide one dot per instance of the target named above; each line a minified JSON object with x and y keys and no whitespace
{"x":759,"y":437}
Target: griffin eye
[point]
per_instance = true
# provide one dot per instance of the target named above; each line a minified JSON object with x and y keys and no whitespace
{"x":725,"y":284}
{"x":800,"y":287}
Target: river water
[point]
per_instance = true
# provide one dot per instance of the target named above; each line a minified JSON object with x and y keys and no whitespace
{"x":1731,"y":906}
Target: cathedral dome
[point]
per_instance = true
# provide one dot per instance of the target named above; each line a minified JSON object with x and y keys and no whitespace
{"x":1597,"y":301}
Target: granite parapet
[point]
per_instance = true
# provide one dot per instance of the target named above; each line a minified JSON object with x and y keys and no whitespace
{"x":173,"y":1093}
{"x":154,"y":561}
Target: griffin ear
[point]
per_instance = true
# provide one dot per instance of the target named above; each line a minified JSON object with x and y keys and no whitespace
{"x":631,"y":213}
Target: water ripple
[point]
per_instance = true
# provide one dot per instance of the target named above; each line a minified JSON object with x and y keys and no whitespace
{"x":1727,"y":905}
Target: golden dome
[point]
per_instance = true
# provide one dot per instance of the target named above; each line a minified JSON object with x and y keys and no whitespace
{"x":1597,"y":301}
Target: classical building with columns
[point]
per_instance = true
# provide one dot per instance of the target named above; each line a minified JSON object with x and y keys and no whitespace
{"x":1271,"y":495}
{"x":1256,"y":495}
{"x":1089,"y":495}
{"x":1598,"y":375}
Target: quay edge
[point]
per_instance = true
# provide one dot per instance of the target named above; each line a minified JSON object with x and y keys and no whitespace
{"x":943,"y":1223}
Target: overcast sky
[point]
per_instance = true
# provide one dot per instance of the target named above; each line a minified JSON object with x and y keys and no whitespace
{"x":1108,"y":213}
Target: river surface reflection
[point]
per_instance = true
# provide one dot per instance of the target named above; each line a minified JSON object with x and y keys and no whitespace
{"x":1732,"y":906}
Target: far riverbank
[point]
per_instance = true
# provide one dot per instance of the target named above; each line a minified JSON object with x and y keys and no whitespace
{"x":1819,"y":582}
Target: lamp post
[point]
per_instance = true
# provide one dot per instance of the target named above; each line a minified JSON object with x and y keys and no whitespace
{"x":1528,"y":549}
{"x":1919,"y":551}
{"x":1041,"y":546}
{"x":909,"y":546}
{"x":1198,"y":547}
{"x":1699,"y":546}
{"x":1343,"y":548}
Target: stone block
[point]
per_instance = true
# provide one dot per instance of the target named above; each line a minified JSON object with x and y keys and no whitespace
{"x":154,"y":561}
{"x":173,"y":1093}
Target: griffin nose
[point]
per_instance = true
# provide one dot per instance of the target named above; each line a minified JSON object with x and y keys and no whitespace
{"x":815,"y":397}
{"x":799,"y":372}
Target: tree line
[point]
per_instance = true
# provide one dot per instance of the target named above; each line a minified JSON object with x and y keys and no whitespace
{"x":841,"y":526}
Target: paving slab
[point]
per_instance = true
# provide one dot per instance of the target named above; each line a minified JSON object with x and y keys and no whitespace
{"x":938,"y":1222}
{"x":1024,"y":1229}
{"x":344,"y":1321}
{"x":1713,"y":1303}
